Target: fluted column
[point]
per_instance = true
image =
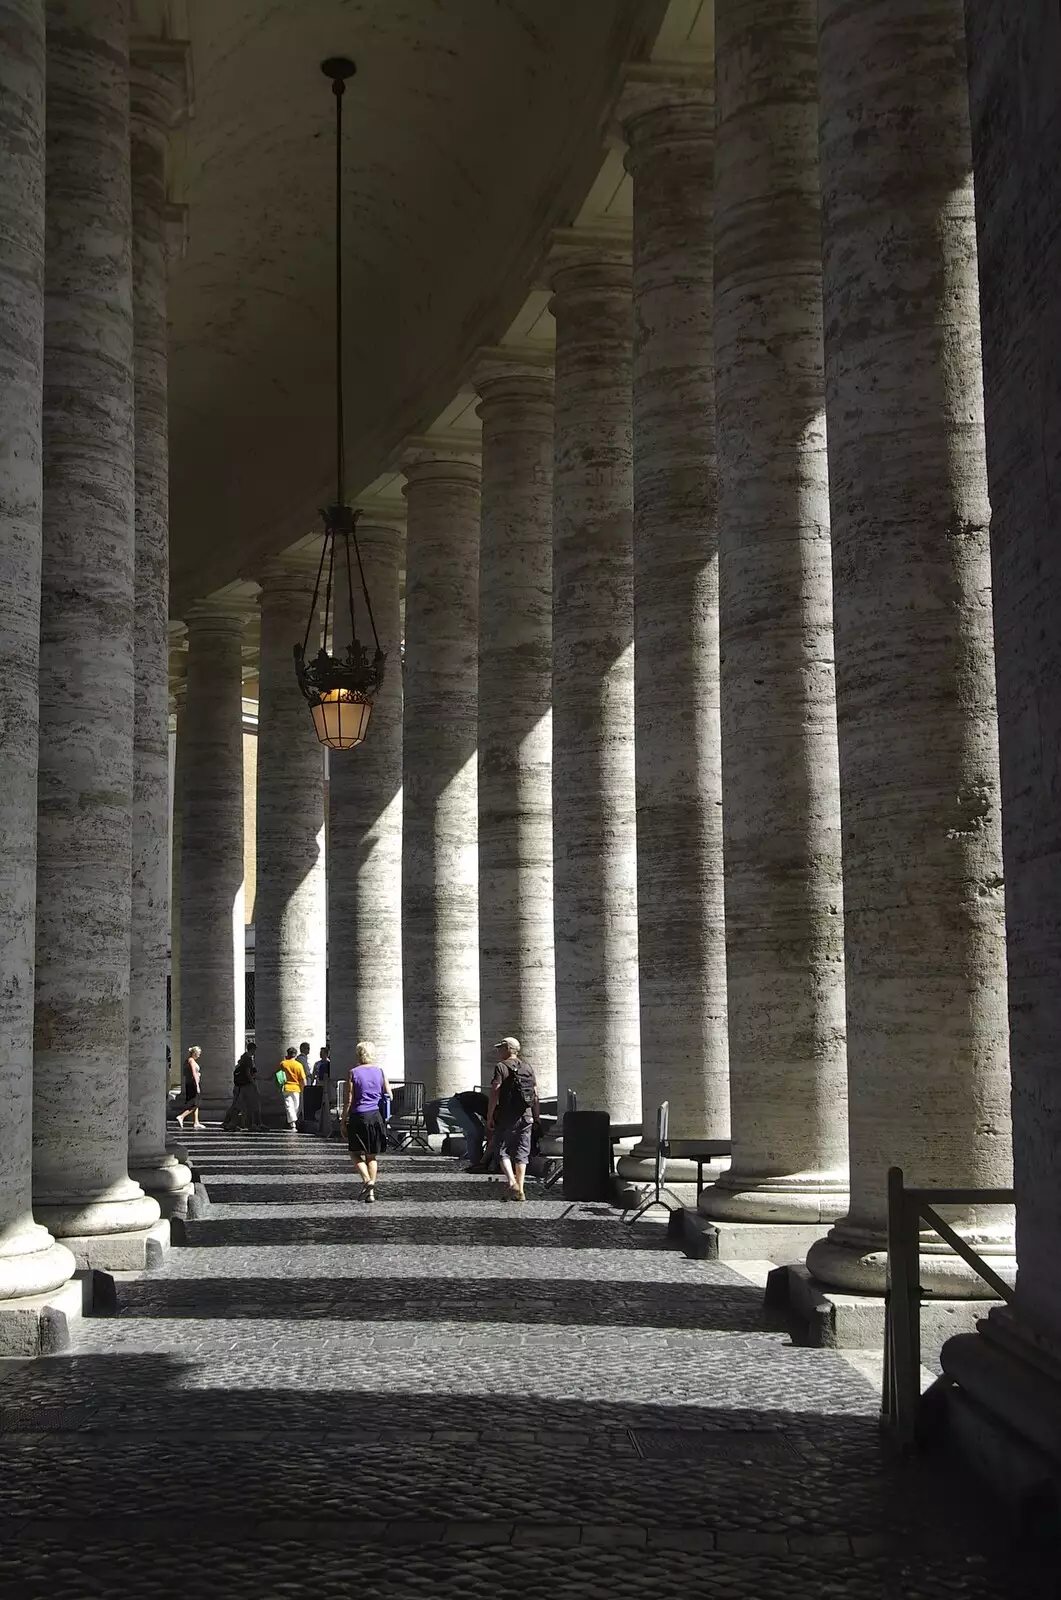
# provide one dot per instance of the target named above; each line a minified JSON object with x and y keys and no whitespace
{"x":440,"y":961}
{"x":157,"y":97}
{"x":919,"y":784}
{"x":681,"y":937}
{"x":594,"y":849}
{"x":82,"y":1188}
{"x":515,"y":712}
{"x":211,"y":857}
{"x":365,"y":830}
{"x":781,"y":797}
{"x":290,"y":909}
{"x":31,"y":1262}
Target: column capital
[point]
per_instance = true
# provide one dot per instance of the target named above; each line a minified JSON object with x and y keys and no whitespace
{"x":585,"y":261}
{"x":667,"y":115}
{"x":292,"y":574}
{"x":159,"y":85}
{"x":216,"y":616}
{"x":424,"y":460}
{"x":513,"y":374}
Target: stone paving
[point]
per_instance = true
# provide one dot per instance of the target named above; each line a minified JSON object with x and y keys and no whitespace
{"x":443,"y":1394}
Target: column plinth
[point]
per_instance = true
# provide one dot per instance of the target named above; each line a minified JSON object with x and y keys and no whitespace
{"x":515,"y":713}
{"x":594,"y":850}
{"x":918,"y":741}
{"x":157,"y":83}
{"x":290,"y":910}
{"x":440,"y":957}
{"x":365,"y":830}
{"x":211,"y":856}
{"x":31,"y":1263}
{"x":82,"y":1187}
{"x":781,"y":800}
{"x":681,"y":924}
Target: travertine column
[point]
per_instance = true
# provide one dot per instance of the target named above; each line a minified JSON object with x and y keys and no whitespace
{"x":82,"y":1188}
{"x":515,"y":712}
{"x":30,"y":1261}
{"x":681,"y":935}
{"x":1011,"y":1368}
{"x":594,"y":849}
{"x":440,"y":957}
{"x":157,"y":97}
{"x":781,"y":797}
{"x":290,"y":910}
{"x":365,"y":830}
{"x":925,"y":959}
{"x":176,"y":828}
{"x":211,"y":858}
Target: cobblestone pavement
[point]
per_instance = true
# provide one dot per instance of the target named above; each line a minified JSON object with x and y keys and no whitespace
{"x":444,"y":1395}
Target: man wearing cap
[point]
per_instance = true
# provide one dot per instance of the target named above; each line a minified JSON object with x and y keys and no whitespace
{"x":512,"y":1114}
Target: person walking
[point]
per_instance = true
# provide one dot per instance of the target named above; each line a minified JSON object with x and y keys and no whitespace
{"x":321,"y":1078}
{"x":363,"y":1118}
{"x":248,"y":1099}
{"x":193,"y":1083}
{"x":294,"y":1081}
{"x":512,"y":1115}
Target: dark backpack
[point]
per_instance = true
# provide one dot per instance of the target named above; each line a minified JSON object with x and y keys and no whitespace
{"x":518,"y":1089}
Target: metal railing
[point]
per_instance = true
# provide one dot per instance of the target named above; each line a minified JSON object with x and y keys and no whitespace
{"x":907,"y":1208}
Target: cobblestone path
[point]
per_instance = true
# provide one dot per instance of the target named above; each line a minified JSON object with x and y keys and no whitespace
{"x":443,"y":1395}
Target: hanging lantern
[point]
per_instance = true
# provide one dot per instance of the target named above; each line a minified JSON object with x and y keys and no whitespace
{"x":340,"y":689}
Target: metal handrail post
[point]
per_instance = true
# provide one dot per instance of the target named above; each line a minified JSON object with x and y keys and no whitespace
{"x":904,"y":1310}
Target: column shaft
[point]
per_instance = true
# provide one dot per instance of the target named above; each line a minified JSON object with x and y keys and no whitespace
{"x":515,"y":716}
{"x":594,"y":849}
{"x":290,"y":929}
{"x":154,"y":104}
{"x":781,"y":798}
{"x":211,"y":856}
{"x":919,"y":783}
{"x":365,"y":834}
{"x":30,"y":1262}
{"x":681,"y":938}
{"x":85,"y":793}
{"x":440,"y":958}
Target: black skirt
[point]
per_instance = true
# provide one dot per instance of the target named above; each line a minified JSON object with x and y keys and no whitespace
{"x":191,"y":1094}
{"x":366,"y":1133}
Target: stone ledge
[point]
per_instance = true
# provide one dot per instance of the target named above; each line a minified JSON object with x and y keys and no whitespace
{"x":143,"y":1251}
{"x":40,"y":1325}
{"x":828,"y":1319}
{"x":703,"y":1240}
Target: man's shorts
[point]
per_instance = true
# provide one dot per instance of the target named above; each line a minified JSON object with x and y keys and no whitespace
{"x":515,"y":1140}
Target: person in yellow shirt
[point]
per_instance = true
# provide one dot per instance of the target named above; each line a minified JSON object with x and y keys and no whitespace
{"x":294,"y":1083}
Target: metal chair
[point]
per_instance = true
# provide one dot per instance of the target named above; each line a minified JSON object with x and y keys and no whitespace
{"x":408,"y":1111}
{"x":662,"y":1152}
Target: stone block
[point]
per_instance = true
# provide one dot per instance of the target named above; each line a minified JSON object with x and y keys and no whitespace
{"x":198,"y":1202}
{"x":704,"y":1240}
{"x":826,"y":1319}
{"x":142,"y":1251}
{"x":41,"y":1325}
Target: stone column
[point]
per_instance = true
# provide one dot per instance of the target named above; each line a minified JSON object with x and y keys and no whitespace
{"x":31,"y":1263}
{"x":594,"y":849}
{"x":290,"y":908}
{"x":925,"y":958}
{"x":82,"y":1187}
{"x":176,"y":828}
{"x":681,"y":935}
{"x":157,"y":97}
{"x":1010,"y":1369}
{"x":515,"y":711}
{"x":781,"y":799}
{"x":211,"y":858}
{"x":440,"y":958}
{"x":365,"y":831}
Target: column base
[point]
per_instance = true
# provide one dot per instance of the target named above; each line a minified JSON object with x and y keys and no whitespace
{"x":999,"y":1405}
{"x":639,"y":1164}
{"x":123,"y":1209}
{"x":41,"y":1324}
{"x":855,"y":1260}
{"x":32,"y":1263}
{"x":166,"y":1180}
{"x":141,"y":1251}
{"x":826,"y":1319}
{"x":800,"y":1197}
{"x":779,"y":1242}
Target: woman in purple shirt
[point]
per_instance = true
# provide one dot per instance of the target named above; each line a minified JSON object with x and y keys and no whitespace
{"x":363,"y":1124}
